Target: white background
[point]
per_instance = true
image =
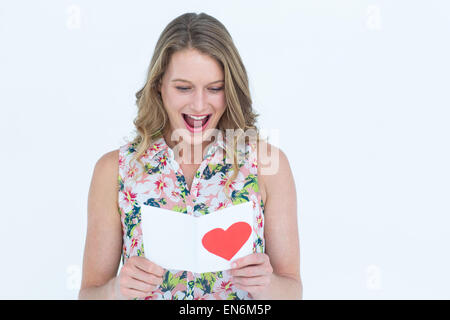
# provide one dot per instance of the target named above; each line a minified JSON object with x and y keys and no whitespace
{"x":358,"y":89}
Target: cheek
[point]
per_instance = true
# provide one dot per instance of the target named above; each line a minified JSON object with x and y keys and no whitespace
{"x":173,"y":107}
{"x":219,"y":104}
{"x":222,"y":100}
{"x":172,"y":102}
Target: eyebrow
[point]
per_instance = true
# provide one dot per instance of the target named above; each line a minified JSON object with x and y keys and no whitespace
{"x":190,"y":82}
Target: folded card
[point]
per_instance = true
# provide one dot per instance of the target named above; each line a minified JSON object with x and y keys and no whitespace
{"x":206,"y":243}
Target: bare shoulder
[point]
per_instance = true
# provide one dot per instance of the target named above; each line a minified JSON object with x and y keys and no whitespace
{"x":106,"y":168}
{"x":273,"y":168}
{"x":108,"y":161}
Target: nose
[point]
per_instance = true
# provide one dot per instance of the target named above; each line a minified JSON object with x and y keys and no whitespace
{"x":199,"y":104}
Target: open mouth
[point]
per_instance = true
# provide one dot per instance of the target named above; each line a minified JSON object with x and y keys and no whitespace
{"x":196,"y":123}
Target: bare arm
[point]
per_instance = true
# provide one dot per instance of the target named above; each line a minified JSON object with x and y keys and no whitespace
{"x":103,"y":245}
{"x":280,"y":230}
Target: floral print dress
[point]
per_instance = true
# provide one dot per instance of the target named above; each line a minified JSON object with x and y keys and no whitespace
{"x":163,"y":185}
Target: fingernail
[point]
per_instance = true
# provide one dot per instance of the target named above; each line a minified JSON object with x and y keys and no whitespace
{"x":234,"y":265}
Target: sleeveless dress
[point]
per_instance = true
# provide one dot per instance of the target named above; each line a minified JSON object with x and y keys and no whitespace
{"x":163,"y":185}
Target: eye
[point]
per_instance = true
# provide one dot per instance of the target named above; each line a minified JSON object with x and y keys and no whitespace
{"x":187,"y":88}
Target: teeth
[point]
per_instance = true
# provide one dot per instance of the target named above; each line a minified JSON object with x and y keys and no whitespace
{"x":196,"y":118}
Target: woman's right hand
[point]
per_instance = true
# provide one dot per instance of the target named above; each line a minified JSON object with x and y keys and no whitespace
{"x":137,"y":279}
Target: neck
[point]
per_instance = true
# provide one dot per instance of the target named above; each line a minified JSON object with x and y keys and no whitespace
{"x":185,"y":152}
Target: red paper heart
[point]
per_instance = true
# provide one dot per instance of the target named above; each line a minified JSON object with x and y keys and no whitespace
{"x":226,"y":243}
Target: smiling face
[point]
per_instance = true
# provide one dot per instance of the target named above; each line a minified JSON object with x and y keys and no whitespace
{"x":193,"y":94}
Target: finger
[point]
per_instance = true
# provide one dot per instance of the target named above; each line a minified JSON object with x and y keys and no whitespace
{"x":251,"y":281}
{"x":253,"y":258}
{"x":144,"y":276}
{"x":148,"y":266}
{"x":249,"y":271}
{"x":139,"y":285}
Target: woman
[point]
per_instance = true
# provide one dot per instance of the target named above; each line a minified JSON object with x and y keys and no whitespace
{"x":196,"y":84}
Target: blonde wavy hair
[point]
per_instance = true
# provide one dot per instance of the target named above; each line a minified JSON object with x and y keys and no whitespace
{"x":208,"y":35}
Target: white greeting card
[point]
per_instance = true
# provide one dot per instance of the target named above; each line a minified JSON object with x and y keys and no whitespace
{"x":207,"y":243}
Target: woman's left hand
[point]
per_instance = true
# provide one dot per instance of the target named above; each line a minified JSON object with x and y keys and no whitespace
{"x":252,"y":273}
